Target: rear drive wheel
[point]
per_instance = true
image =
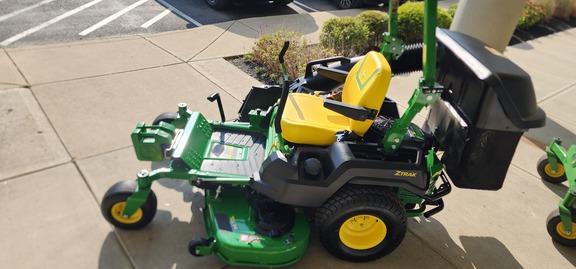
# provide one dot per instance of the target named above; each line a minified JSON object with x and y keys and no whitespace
{"x":114,"y":202}
{"x":546,"y":173}
{"x":557,"y":231}
{"x":167,"y":117}
{"x":361,"y":223}
{"x":219,"y":4}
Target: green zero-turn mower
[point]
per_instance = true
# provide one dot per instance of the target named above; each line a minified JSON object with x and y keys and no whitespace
{"x":557,"y":166}
{"x":330,"y":142}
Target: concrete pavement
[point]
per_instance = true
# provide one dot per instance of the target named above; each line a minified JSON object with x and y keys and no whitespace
{"x":66,"y":111}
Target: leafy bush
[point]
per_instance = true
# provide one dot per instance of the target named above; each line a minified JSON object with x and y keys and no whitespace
{"x":377,"y":23}
{"x":268,"y":46}
{"x":534,"y":14}
{"x":411,"y":21}
{"x":452,"y":10}
{"x":345,"y":35}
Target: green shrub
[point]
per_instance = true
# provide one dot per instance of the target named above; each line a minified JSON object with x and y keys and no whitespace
{"x":534,"y":14}
{"x":452,"y":10}
{"x":268,"y":46}
{"x":345,"y":35}
{"x":377,"y":23}
{"x":411,"y":21}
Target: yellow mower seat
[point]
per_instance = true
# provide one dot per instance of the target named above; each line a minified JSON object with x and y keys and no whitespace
{"x":306,"y":121}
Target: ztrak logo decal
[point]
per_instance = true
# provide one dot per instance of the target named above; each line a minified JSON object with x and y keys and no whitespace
{"x":405,"y":174}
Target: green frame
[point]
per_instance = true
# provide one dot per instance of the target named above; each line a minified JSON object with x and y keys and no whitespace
{"x":190,"y":135}
{"x":558,"y":154}
{"x":427,"y":92}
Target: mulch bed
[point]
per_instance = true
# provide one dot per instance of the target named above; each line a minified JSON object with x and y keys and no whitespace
{"x":553,"y":26}
{"x":519,"y":36}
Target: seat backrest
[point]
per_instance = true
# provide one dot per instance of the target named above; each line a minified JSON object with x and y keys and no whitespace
{"x":366,"y":86}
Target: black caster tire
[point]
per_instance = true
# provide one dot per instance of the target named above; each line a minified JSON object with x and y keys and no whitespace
{"x":546,"y":173}
{"x":114,"y":201}
{"x":556,"y":229}
{"x":219,"y":4}
{"x":360,"y":223}
{"x":167,"y":117}
{"x":198,"y":242}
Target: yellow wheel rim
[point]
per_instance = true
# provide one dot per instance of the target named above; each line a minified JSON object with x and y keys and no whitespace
{"x":560,"y":230}
{"x":551,"y":173}
{"x":362,"y":232}
{"x":117,"y":214}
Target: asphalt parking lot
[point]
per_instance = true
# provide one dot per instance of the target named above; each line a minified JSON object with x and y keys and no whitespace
{"x":34,"y":22}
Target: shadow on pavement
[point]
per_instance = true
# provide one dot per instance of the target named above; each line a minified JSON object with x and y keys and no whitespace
{"x":558,"y":189}
{"x":476,"y":251}
{"x":161,"y":244}
{"x":543,"y":136}
{"x":111,"y":253}
{"x":568,"y":252}
{"x":164,"y":242}
{"x":488,"y":252}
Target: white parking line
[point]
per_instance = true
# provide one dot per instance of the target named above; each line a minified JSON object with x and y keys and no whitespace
{"x":180,"y":13}
{"x":48,"y":23}
{"x":157,"y":18}
{"x":111,"y":18}
{"x":305,"y":6}
{"x":296,"y":8}
{"x":10,"y":15}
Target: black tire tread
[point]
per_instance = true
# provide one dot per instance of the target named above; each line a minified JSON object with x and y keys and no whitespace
{"x":551,"y":221}
{"x":196,"y":242}
{"x":167,"y":117}
{"x":542,"y":162}
{"x":354,"y":195}
{"x":120,"y":192}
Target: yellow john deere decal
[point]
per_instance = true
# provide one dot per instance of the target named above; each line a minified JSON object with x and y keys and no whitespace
{"x":405,"y":174}
{"x":361,"y":75}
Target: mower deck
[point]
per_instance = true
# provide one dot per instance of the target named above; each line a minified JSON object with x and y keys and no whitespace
{"x":232,"y":220}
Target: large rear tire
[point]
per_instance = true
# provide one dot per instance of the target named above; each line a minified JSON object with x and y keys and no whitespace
{"x":167,"y":117}
{"x":361,"y":223}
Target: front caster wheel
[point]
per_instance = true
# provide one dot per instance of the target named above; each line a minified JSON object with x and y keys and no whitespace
{"x":114,"y":202}
{"x":546,"y":173}
{"x":557,"y":231}
{"x":198,"y":242}
{"x":361,"y":223}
